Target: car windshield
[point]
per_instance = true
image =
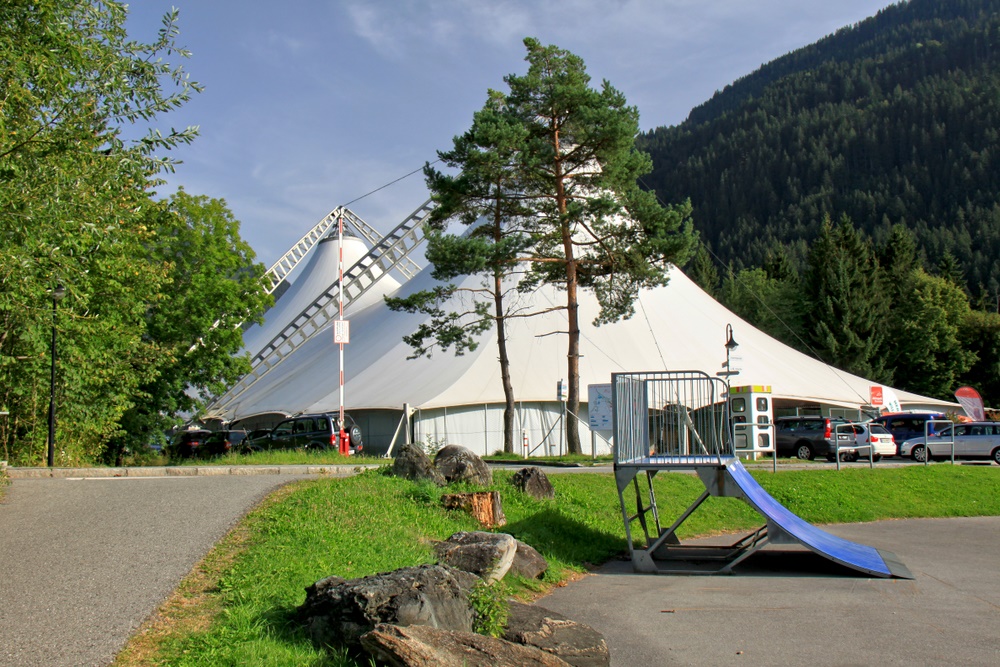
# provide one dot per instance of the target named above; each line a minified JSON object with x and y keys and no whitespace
{"x":878,"y":429}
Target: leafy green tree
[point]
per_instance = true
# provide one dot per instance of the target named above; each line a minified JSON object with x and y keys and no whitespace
{"x":212,"y":287}
{"x":76,"y":210}
{"x":770,"y":304}
{"x":979,"y":334}
{"x":481,"y":197}
{"x":931,"y":353}
{"x":845,"y":317}
{"x":591,"y":226}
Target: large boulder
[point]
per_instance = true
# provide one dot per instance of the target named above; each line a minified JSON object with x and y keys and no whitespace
{"x":421,"y":646}
{"x":413,"y":463}
{"x":533,"y":482}
{"x":578,"y":644}
{"x":460,"y":464}
{"x":338,"y":611}
{"x":528,"y":563}
{"x":487,"y":555}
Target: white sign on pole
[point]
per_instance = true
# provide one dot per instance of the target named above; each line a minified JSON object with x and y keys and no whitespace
{"x":342,"y":331}
{"x":599,"y":406}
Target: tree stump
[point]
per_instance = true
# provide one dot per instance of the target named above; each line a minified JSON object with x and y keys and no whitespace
{"x":484,"y":506}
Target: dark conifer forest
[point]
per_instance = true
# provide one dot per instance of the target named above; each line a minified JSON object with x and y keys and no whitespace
{"x":847,"y":196}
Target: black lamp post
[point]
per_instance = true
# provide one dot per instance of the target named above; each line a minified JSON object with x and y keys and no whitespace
{"x":731,"y":345}
{"x":58,"y":293}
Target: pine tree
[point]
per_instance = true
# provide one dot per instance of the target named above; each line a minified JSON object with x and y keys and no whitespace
{"x":592,"y":227}
{"x":845,"y":322}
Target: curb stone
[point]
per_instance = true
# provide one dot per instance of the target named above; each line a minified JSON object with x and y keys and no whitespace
{"x":184,"y":471}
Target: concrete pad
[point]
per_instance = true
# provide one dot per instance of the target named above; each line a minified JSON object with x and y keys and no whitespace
{"x":788,"y":606}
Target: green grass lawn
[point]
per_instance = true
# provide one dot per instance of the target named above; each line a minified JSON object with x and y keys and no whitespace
{"x":238,"y":607}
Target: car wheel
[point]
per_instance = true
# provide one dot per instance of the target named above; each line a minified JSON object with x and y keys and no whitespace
{"x":996,"y":455}
{"x":804,"y":452}
{"x":919,"y":453}
{"x":356,"y":437}
{"x":849,"y":457}
{"x":876,"y":458}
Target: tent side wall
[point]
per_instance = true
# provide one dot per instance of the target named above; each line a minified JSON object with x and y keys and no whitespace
{"x":480,"y":428}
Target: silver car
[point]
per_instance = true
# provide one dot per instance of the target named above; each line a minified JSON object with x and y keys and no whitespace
{"x":973,"y":440}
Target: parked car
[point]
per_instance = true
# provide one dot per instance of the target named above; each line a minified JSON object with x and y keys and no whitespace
{"x":314,"y":432}
{"x":907,"y":425}
{"x":255,"y":441}
{"x":874,"y":435}
{"x":973,"y":440}
{"x":807,"y":437}
{"x":186,"y":444}
{"x":222,"y":442}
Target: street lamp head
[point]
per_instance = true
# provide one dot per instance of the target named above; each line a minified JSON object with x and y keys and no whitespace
{"x":731,"y":343}
{"x":59,"y":292}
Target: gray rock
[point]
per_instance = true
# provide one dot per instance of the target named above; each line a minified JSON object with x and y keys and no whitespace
{"x":413,"y":463}
{"x":578,"y":644}
{"x":533,"y":482}
{"x":487,"y":555}
{"x":421,"y":646}
{"x":337,"y":612}
{"x":528,"y":563}
{"x":459,"y":464}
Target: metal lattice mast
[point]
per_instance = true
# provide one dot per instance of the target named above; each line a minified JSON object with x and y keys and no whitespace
{"x":387,"y":254}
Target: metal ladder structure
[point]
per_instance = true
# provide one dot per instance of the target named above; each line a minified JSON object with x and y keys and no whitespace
{"x":287,"y":263}
{"x":389,"y":252}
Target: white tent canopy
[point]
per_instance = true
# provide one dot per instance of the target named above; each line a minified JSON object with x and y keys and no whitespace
{"x":676,"y":327}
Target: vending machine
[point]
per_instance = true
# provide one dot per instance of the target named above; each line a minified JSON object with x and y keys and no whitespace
{"x":753,"y":428}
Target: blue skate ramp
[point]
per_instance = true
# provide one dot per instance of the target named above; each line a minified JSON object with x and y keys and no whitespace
{"x":856,"y":556}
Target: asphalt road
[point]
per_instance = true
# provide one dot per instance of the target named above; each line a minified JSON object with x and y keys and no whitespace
{"x":83,"y":562}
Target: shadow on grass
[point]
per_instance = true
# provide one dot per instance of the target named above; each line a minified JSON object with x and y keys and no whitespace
{"x":282,"y":624}
{"x":571,"y":542}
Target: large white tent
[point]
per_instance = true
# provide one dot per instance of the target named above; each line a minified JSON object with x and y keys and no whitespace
{"x":459,"y":399}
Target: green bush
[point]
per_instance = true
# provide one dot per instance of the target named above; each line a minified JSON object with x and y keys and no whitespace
{"x":491,"y":607}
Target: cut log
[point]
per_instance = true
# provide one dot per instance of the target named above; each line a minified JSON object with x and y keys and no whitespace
{"x":484,"y":506}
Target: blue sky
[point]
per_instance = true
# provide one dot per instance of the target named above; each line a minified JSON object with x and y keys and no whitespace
{"x":309,"y":104}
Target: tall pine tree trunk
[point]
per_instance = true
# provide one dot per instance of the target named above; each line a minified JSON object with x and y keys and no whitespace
{"x":573,"y":352}
{"x":508,"y":388}
{"x":572,"y":311}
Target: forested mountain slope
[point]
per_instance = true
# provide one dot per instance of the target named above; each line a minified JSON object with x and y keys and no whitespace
{"x":893,"y":120}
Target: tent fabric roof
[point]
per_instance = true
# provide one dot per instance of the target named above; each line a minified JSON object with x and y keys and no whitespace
{"x":675,"y":327}
{"x":319,"y":273}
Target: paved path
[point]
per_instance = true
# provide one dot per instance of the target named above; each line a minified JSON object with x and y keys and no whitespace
{"x":798,"y":609}
{"x":83,"y":562}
